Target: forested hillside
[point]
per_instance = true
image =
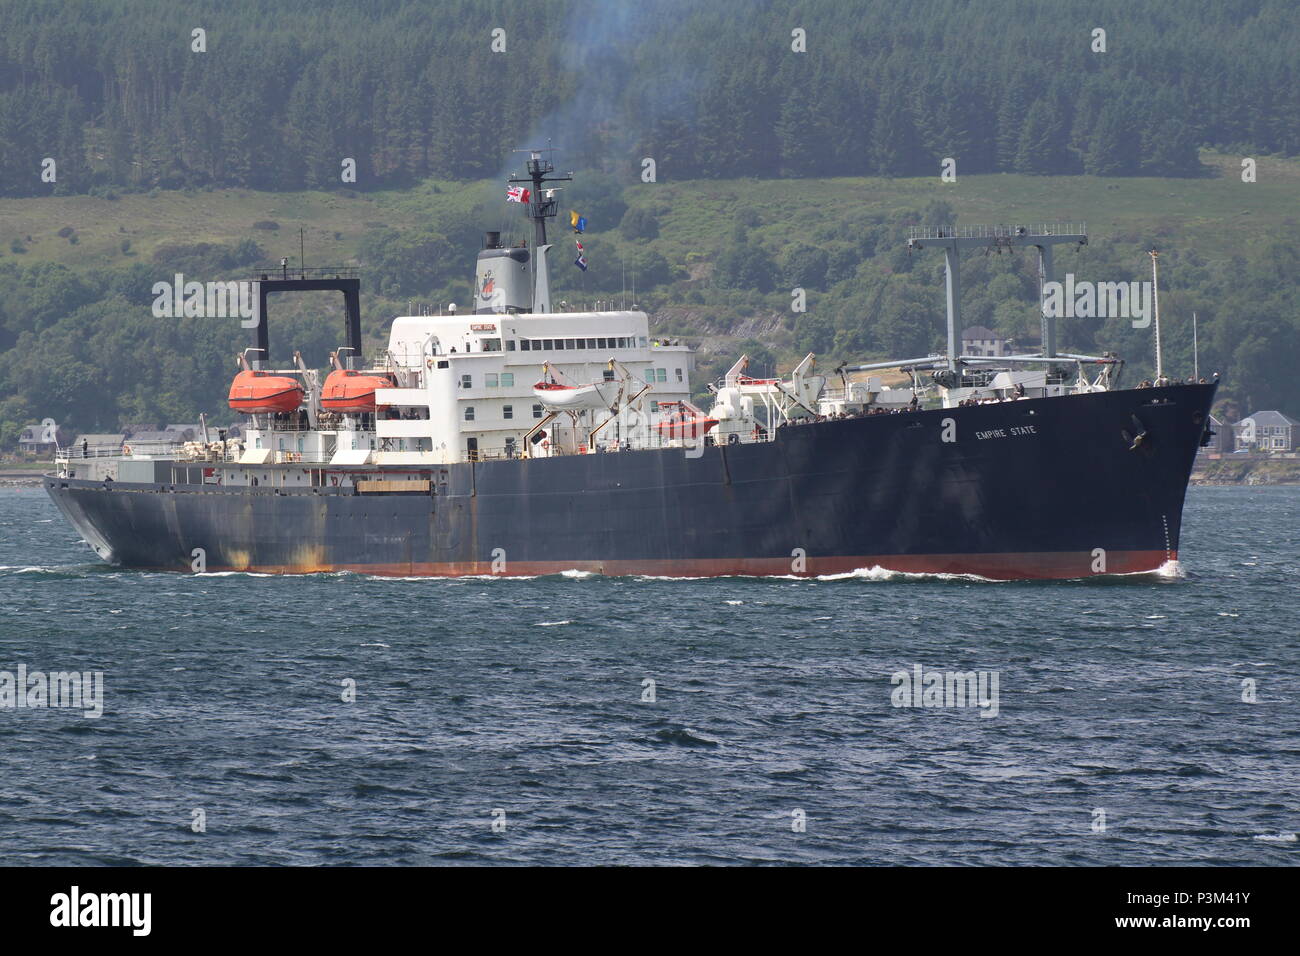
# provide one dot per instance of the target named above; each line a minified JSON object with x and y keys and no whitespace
{"x":712,"y":261}
{"x":775,"y":170}
{"x":283,"y":92}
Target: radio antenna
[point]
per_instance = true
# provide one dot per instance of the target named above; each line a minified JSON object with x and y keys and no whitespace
{"x":1196,"y":352}
{"x":1155,"y":301}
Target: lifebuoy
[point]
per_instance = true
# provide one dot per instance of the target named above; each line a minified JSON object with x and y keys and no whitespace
{"x":126,"y":450}
{"x":546,"y":443}
{"x":428,"y":363}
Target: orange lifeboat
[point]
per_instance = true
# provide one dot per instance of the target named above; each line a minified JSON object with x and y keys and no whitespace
{"x":261,"y":392}
{"x":684,"y":420}
{"x":349,"y":391}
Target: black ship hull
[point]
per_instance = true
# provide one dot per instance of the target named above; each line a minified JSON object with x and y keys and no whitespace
{"x":1068,"y":486}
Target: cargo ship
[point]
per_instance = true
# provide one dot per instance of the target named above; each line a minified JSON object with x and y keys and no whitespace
{"x":523,"y":437}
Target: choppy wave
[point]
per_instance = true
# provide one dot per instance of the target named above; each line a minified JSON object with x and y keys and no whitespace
{"x":625,"y":720}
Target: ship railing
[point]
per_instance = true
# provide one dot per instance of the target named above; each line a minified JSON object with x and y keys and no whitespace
{"x":613,"y":446}
{"x":302,"y":457}
{"x":214,"y":456}
{"x":858,"y":394}
{"x":999,"y":231}
{"x":271,"y":425}
{"x":505,"y":453}
{"x":74,"y":452}
{"x":284,"y":272}
{"x":841,"y":394}
{"x":327,"y":420}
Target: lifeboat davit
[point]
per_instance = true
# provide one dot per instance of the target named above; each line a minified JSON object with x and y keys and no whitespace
{"x":262,"y":392}
{"x":596,"y":395}
{"x":349,"y":391}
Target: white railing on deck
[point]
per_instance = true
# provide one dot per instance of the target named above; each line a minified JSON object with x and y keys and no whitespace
{"x":999,"y":231}
{"x":72,"y":453}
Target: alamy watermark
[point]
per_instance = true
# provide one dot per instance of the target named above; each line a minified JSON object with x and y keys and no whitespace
{"x":206,"y":300}
{"x":74,"y":690}
{"x":1098,"y":300}
{"x":943,"y":689}
{"x":128,"y":910}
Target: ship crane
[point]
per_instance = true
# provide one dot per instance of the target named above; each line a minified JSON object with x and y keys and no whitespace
{"x":953,"y":239}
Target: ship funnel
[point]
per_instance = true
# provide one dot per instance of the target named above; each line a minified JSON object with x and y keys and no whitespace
{"x":503,"y":281}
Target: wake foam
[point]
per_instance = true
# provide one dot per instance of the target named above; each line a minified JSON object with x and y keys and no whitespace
{"x":877,"y":573}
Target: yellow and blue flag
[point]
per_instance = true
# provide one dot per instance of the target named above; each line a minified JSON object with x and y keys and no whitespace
{"x":579,"y":223}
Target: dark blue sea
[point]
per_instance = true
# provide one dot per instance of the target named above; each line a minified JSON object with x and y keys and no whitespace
{"x":520,"y":702}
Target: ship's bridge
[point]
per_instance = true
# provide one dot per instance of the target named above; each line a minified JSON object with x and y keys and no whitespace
{"x":415,"y":338}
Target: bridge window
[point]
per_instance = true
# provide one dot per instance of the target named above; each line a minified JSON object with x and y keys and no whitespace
{"x":491,"y":345}
{"x":525,"y":345}
{"x":679,"y":375}
{"x":510,"y":345}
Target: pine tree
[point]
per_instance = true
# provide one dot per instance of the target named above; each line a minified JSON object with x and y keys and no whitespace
{"x":1042,"y":141}
{"x":1010,"y":123}
{"x":1112,"y":150}
{"x":894,"y":144}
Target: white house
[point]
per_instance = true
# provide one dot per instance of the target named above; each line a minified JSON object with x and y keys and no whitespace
{"x":1268,"y":431}
{"x":977,"y":340}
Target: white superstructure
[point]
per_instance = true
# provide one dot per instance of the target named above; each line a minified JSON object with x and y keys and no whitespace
{"x":472,"y":395}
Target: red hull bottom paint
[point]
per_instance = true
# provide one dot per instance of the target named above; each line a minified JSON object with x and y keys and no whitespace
{"x":1001,"y":567}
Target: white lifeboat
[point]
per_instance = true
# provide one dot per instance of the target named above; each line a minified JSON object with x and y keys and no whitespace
{"x":596,"y":395}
